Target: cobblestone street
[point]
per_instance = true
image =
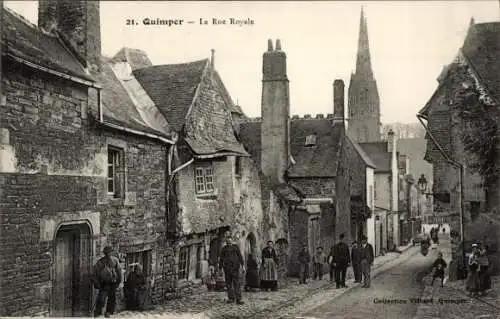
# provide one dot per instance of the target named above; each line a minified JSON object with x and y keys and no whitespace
{"x":203,"y":304}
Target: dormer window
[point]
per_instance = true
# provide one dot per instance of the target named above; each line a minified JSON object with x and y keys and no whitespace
{"x":311,"y":140}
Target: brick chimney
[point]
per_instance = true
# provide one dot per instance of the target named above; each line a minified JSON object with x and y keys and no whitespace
{"x":78,"y":24}
{"x":338,"y":102}
{"x":275,"y":112}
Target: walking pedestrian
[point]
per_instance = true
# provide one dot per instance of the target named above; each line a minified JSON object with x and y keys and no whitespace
{"x":107,"y":277}
{"x":341,"y":259}
{"x":439,"y":265}
{"x":318,"y":261}
{"x":356,"y":262}
{"x":367,"y":258}
{"x":304,"y":259}
{"x":269,"y":268}
{"x":231,"y":261}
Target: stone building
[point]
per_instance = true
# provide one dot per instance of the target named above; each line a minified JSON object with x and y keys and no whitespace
{"x":214,"y":186}
{"x":386,"y":191}
{"x":363,"y":102}
{"x":306,"y":159}
{"x":83,"y":165}
{"x":449,"y":117}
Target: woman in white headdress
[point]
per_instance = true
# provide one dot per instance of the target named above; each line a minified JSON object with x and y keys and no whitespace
{"x":472,"y":284}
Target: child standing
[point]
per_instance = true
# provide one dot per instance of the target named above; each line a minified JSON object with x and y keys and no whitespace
{"x":439,"y":266}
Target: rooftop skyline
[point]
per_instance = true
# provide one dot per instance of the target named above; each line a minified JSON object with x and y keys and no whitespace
{"x":410,"y":42}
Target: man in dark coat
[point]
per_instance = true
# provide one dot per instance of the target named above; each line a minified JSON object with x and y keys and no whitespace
{"x":356,"y":262}
{"x":231,"y":261}
{"x":304,"y":259}
{"x":107,"y":277}
{"x":341,"y":259}
{"x":367,"y":258}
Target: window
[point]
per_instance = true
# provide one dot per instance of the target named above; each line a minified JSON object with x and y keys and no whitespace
{"x":311,"y":140}
{"x":237,"y":166}
{"x":475,"y":208}
{"x":204,"y":180}
{"x":370,"y":196}
{"x":374,"y":190}
{"x":183,"y":266}
{"x":142,"y":258}
{"x":115,"y":171}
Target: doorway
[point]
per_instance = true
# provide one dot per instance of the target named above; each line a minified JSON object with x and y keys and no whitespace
{"x":249,"y":247}
{"x":72,"y":290}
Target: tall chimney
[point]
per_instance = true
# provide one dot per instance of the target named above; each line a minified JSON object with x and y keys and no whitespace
{"x":78,"y":24}
{"x":338,"y":102}
{"x":391,"y":141}
{"x":275,"y":110}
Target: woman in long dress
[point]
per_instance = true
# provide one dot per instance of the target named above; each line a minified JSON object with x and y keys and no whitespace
{"x":252,"y":275}
{"x":269,"y":268}
{"x":484,"y":277}
{"x":472,"y":284}
{"x":135,"y":290}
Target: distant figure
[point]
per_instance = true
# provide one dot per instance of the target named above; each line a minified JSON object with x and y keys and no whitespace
{"x":356,"y":262}
{"x":107,"y":277}
{"x":319,"y":260}
{"x":269,"y":268}
{"x":367,"y":258}
{"x":444,"y":230}
{"x":135,"y":289}
{"x":231,"y":261}
{"x":341,"y":259}
{"x":439,"y":265}
{"x":252,"y":275}
{"x":304,"y":259}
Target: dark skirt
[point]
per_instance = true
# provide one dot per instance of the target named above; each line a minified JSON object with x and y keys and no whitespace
{"x":472,"y":283}
{"x":484,"y":279}
{"x":252,"y":278}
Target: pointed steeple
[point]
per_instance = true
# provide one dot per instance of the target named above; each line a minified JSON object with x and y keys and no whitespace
{"x":363,"y":61}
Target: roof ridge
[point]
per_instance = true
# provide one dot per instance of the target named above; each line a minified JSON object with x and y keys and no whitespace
{"x":171,"y":64}
{"x":29,"y":23}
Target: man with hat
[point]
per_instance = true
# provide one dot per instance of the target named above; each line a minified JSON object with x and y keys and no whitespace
{"x":367,"y":258}
{"x":231,"y":261}
{"x":107,"y":277}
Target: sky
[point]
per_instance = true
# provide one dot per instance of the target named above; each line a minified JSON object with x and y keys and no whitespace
{"x":410,"y":42}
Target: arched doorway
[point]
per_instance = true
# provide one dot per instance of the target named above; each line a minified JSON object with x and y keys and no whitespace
{"x":249,"y":246}
{"x":72,"y":290}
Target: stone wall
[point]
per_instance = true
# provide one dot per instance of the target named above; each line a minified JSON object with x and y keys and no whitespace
{"x":57,"y":176}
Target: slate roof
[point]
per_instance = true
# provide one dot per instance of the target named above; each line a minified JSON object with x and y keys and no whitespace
{"x":317,"y":161}
{"x":482,"y":48}
{"x":320,"y":160}
{"x":415,"y":149}
{"x":118,"y":108}
{"x":377,"y":151}
{"x":137,"y":59}
{"x":172,"y":88}
{"x":26,"y":41}
{"x":368,"y":161}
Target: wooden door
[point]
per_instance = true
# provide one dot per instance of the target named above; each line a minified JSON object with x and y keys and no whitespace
{"x":64,"y":274}
{"x":72,"y":263}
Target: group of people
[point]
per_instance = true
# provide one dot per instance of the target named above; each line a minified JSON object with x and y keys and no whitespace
{"x":231,"y":261}
{"x":361,"y":258}
{"x":107,"y":276}
{"x":478,"y":280}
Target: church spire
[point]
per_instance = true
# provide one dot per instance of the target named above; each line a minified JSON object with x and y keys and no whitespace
{"x":363,"y":61}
